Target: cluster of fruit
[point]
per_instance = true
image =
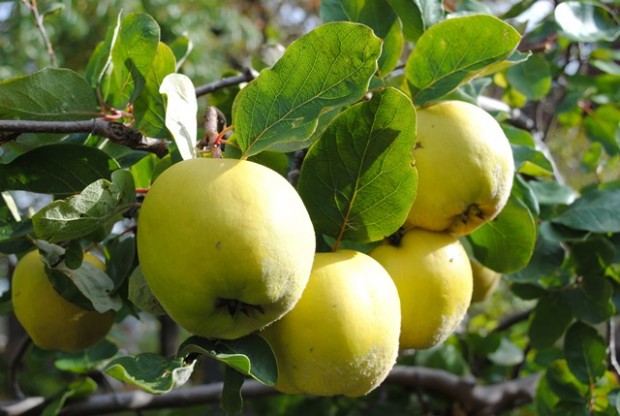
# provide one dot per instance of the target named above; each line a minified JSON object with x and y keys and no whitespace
{"x":228,"y":248}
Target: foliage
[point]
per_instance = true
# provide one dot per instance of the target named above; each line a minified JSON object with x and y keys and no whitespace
{"x":344,"y":93}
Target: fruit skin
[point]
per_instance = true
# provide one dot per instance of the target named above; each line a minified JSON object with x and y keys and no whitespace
{"x":465,"y":168}
{"x":342,"y":336}
{"x":225,"y":245}
{"x":434,"y":281}
{"x":52,"y":321}
{"x":485,"y":281}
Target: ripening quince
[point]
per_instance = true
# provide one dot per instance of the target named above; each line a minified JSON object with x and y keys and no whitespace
{"x":49,"y":319}
{"x":434,"y":281}
{"x":342,"y":336}
{"x":225,"y":245}
{"x":485,"y":281}
{"x":465,"y":168}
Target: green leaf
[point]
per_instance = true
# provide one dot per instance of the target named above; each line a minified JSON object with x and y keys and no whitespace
{"x":553,"y":193}
{"x":87,"y":360}
{"x":564,"y":383}
{"x":592,"y":256}
{"x":59,"y":169}
{"x":100,"y":59}
{"x":231,"y":401}
{"x":547,"y":258}
{"x":151,"y":372}
{"x":133,"y":51}
{"x":149,"y":109}
{"x":549,"y":321}
{"x":506,"y":244}
{"x":181,"y":112}
{"x":532,"y":77}
{"x":250,"y":355}
{"x":603,"y":125}
{"x":87,"y":286}
{"x":358,"y":181}
{"x":454,"y":51}
{"x":49,"y":94}
{"x":379,"y":16}
{"x":80,"y":387}
{"x":14,"y":237}
{"x":596,"y":211}
{"x":585,"y":352}
{"x":532,"y":162}
{"x":508,"y":353}
{"x":586,"y":22}
{"x":140,"y":294}
{"x":417,"y":15}
{"x":181,"y":48}
{"x":98,"y":206}
{"x":331,"y":66}
{"x":121,"y":259}
{"x":591,"y":299}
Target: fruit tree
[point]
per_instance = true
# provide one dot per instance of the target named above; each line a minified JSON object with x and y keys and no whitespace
{"x":310,"y":207}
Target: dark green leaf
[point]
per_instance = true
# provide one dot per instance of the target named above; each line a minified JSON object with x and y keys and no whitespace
{"x":14,"y":237}
{"x":549,"y":321}
{"x":132,"y":54}
{"x":149,"y":109}
{"x":592,"y":256}
{"x":250,"y":355}
{"x":532,"y":162}
{"x":545,"y":399}
{"x":564,"y":384}
{"x":586,"y":21}
{"x":151,"y":372}
{"x":100,"y":58}
{"x":74,"y":254}
{"x":49,"y":94}
{"x":140,"y":294}
{"x":122,"y":258}
{"x":585,"y":352}
{"x":231,"y":401}
{"x":454,"y":51}
{"x":379,"y":16}
{"x":547,"y":258}
{"x":553,"y":193}
{"x":508,"y":353}
{"x":603,"y":126}
{"x":506,"y":243}
{"x":59,"y":169}
{"x":329,"y":67}
{"x":596,"y":211}
{"x":532,"y":78}
{"x":85,"y":361}
{"x":358,"y":181}
{"x":100,"y":204}
{"x":591,"y":299}
{"x":417,"y":15}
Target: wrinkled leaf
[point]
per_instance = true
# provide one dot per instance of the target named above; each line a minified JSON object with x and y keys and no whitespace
{"x":59,"y":169}
{"x":181,"y":112}
{"x":151,"y":372}
{"x":330,"y":66}
{"x":454,"y":51}
{"x":358,"y":181}
{"x":100,"y":204}
{"x":596,"y":211}
{"x":49,"y":94}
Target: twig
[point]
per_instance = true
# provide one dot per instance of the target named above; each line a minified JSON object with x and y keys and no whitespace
{"x":246,"y":76}
{"x":474,"y":398}
{"x":32,"y":6}
{"x":513,"y":319}
{"x":115,"y":132}
{"x":16,"y":363}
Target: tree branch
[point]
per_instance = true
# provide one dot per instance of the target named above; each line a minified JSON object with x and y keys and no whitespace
{"x":474,"y":399}
{"x":246,"y":76}
{"x":116,"y":132}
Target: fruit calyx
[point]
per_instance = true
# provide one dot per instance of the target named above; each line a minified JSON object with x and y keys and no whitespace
{"x":235,"y":306}
{"x":463,"y":218}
